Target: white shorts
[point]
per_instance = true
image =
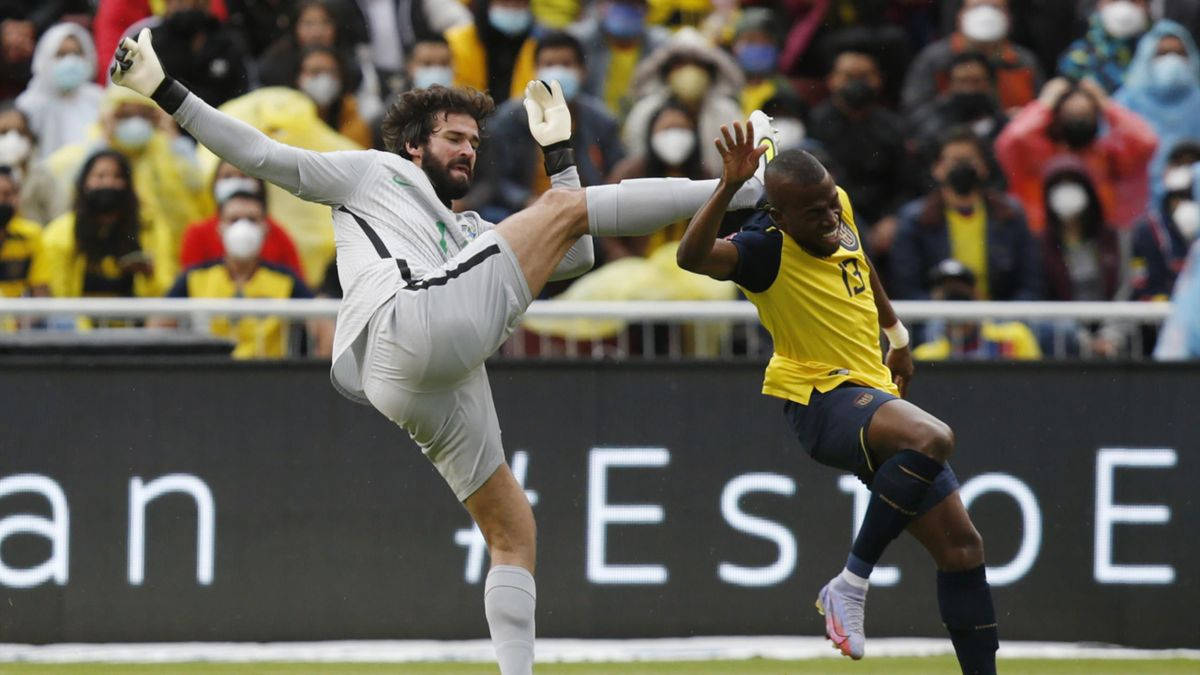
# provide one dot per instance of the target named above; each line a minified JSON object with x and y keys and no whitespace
{"x":423,"y":366}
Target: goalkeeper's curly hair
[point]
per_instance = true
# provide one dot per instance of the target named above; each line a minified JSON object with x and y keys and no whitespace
{"x":411,"y":119}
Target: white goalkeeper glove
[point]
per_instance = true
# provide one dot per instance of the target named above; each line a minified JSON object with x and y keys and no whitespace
{"x":137,"y":65}
{"x":549,"y":116}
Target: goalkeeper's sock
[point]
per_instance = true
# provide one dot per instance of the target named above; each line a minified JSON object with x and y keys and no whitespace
{"x":896,"y":492}
{"x":965,"y":601}
{"x":509,"y":600}
{"x":645,"y":205}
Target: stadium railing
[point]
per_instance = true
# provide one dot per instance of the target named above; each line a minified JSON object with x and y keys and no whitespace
{"x":635,"y":330}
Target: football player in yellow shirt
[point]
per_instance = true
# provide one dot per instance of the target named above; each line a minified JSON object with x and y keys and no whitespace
{"x":801,"y":262}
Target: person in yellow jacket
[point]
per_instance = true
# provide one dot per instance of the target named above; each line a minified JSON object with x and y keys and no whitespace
{"x":952,"y":280}
{"x":20,"y":242}
{"x":170,"y":190}
{"x":103,"y":247}
{"x":495,"y":53}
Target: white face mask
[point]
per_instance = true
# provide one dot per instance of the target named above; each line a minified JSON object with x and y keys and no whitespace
{"x":1187,"y":218}
{"x":673,"y":146}
{"x":1123,"y":19}
{"x":1068,"y":200}
{"x":243,"y":239}
{"x":225,"y":187}
{"x":70,"y":71}
{"x":323,"y":88}
{"x":14,"y":148}
{"x":133,"y":132}
{"x":1178,"y":178}
{"x":427,"y":76}
{"x":985,"y":23}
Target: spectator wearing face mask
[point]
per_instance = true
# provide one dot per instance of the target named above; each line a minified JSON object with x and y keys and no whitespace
{"x":863,"y":137}
{"x":242,"y":273}
{"x":197,"y":48}
{"x":1105,"y":52}
{"x":103,"y":247}
{"x":1162,"y":238}
{"x":698,"y":76}
{"x":429,"y":62}
{"x":1162,"y":85}
{"x":980,"y":227}
{"x":20,"y":244}
{"x":983,"y":27}
{"x":322,"y":76}
{"x":953,"y":281}
{"x":969,"y":101}
{"x":18,"y":146}
{"x":673,"y":151}
{"x":495,"y":53}
{"x":169,"y":188}
{"x":615,"y":39}
{"x":1079,"y":120}
{"x":61,"y":101}
{"x":511,"y":167}
{"x":756,"y":48}
{"x":202,"y":240}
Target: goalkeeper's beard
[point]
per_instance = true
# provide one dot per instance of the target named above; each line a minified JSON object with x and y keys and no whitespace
{"x":446,"y":185}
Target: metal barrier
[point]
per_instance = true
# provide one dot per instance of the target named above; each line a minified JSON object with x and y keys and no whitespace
{"x":649,"y":329}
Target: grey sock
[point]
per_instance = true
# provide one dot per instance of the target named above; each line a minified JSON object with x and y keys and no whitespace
{"x":509,"y":599}
{"x":644,"y":205}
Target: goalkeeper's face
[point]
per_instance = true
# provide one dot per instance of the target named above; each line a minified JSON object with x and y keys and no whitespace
{"x":448,"y":158}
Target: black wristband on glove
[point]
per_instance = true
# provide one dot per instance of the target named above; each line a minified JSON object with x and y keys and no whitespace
{"x":558,"y":156}
{"x":169,"y":95}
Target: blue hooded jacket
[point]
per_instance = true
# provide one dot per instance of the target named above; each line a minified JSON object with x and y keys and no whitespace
{"x":1172,"y":110}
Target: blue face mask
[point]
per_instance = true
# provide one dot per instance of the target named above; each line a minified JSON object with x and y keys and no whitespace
{"x":70,"y":71}
{"x":1171,"y":73}
{"x":512,"y":21}
{"x":757,"y":58}
{"x":428,"y":76}
{"x":624,"y":21}
{"x":568,"y":78}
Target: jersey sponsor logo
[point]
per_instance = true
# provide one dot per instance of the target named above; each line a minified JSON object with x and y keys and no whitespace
{"x":863,"y":400}
{"x":847,"y":238}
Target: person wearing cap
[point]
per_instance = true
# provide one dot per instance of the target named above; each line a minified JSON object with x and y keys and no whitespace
{"x":964,"y":219}
{"x":983,"y":26}
{"x":202,"y":239}
{"x":950,"y":280}
{"x":242,"y":273}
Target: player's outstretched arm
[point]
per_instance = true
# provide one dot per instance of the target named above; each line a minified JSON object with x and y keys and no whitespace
{"x":328,"y":178}
{"x":550,"y":125}
{"x":899,"y":356}
{"x":700,"y":251}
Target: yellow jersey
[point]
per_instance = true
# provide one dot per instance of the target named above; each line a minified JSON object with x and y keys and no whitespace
{"x":820,"y":312}
{"x":256,"y":337}
{"x":20,"y":243}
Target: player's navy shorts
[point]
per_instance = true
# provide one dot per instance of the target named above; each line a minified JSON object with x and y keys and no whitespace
{"x":832,"y":428}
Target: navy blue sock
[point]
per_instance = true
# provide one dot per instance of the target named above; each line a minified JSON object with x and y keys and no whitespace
{"x":965,"y":600}
{"x":896,"y":492}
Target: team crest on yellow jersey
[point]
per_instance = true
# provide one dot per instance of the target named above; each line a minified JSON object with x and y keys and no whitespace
{"x":847,"y":237}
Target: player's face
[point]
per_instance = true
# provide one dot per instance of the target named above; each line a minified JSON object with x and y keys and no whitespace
{"x":811,"y":215}
{"x":449,"y":156}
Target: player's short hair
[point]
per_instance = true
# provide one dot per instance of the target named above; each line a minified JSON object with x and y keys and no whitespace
{"x":558,"y":39}
{"x":797,"y":166}
{"x":411,"y":119}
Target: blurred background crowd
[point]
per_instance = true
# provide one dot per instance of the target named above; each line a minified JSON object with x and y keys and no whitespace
{"x":992,"y":149}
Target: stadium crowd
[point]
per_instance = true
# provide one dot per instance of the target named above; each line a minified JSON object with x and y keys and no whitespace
{"x":993,"y":149}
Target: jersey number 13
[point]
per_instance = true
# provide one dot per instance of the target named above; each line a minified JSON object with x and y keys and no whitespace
{"x":852,"y":277}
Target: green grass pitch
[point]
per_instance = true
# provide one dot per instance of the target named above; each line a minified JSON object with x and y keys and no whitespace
{"x":883,"y":666}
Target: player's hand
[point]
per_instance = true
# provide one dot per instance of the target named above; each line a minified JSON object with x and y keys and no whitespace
{"x":739,"y":156}
{"x":549,"y":116}
{"x":900,"y":361}
{"x":136,"y":65}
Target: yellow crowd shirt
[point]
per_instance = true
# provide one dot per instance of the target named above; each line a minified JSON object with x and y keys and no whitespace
{"x":820,"y":311}
{"x":67,"y":272}
{"x":256,"y":337}
{"x":968,"y":243}
{"x":21,"y":243}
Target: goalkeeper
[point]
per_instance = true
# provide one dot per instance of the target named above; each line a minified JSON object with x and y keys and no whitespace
{"x":430,"y":293}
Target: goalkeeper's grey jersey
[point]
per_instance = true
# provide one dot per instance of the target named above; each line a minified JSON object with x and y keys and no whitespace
{"x":389,"y":226}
